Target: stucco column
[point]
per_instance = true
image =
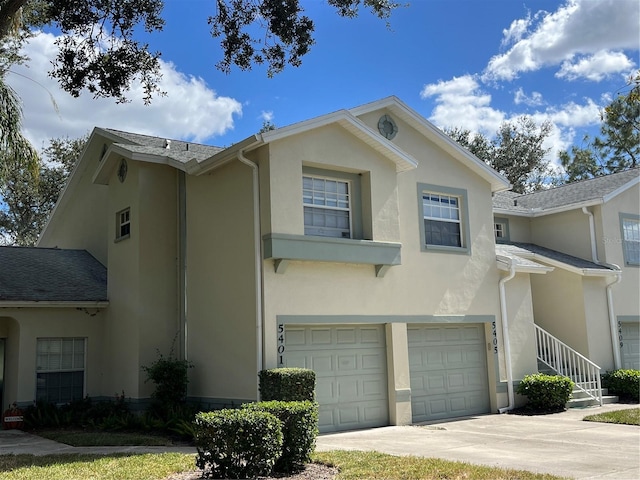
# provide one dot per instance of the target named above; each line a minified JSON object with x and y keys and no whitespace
{"x":398,"y":374}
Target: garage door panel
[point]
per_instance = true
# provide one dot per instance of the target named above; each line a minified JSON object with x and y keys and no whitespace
{"x":448,"y":372}
{"x":351,"y":372}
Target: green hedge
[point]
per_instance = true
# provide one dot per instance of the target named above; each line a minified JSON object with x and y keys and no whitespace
{"x":287,"y":384}
{"x":546,"y":392}
{"x":623,"y":383}
{"x":237,"y":443}
{"x":299,"y":430}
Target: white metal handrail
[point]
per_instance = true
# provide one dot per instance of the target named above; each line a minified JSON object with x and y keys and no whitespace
{"x":563,"y":359}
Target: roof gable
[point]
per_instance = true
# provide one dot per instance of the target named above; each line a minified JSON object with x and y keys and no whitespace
{"x":593,"y":191}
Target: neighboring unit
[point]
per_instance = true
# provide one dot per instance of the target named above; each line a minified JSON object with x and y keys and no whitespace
{"x":359,"y":244}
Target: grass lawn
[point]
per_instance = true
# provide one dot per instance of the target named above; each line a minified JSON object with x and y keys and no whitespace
{"x":352,"y":465}
{"x":630,"y":416}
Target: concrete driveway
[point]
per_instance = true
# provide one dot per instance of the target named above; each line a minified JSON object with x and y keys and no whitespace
{"x":560,"y":444}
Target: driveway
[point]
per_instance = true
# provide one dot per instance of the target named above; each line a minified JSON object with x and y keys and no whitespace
{"x":560,"y":443}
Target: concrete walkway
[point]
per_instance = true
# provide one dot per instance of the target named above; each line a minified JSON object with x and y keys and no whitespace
{"x":560,"y":444}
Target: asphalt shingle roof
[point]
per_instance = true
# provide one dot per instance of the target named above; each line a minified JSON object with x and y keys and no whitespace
{"x":572,"y":193}
{"x":524,"y":249}
{"x":34,"y":274}
{"x":178,"y":149}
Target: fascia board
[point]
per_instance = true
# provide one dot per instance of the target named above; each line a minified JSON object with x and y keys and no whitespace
{"x":514,"y":213}
{"x":621,"y":189}
{"x":589,"y":272}
{"x":396,"y":106}
{"x":504,"y":263}
{"x":538,"y":212}
{"x":53,"y":304}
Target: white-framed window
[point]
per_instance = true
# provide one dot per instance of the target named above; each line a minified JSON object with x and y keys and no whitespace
{"x":444,"y":218}
{"x":501,"y":229}
{"x":630,"y":231}
{"x":123,"y":224}
{"x":327,"y":206}
{"x":60,"y":365}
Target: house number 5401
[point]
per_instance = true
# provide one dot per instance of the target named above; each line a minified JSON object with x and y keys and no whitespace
{"x":281,"y":344}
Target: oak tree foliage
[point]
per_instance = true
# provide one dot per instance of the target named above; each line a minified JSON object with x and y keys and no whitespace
{"x":517,"y":151}
{"x":30,"y":197}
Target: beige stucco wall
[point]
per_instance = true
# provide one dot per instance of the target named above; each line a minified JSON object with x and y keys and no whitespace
{"x":78,"y":220}
{"x":142,"y":276}
{"x":520,"y":320}
{"x":600,"y":348}
{"x":566,"y":232}
{"x":625,"y":294}
{"x":559,"y":308}
{"x":22,"y":327}
{"x":221,"y":285}
{"x":519,"y":228}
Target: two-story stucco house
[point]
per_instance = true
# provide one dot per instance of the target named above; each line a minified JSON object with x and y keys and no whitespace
{"x":359,"y":244}
{"x":588,"y":235}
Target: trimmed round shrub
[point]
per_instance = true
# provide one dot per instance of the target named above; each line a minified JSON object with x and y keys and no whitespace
{"x":299,"y":430}
{"x":237,"y":443}
{"x":623,"y":383}
{"x":546,"y":393}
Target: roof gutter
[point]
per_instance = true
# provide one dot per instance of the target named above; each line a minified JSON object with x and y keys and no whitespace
{"x":505,"y":335}
{"x":258,"y":265}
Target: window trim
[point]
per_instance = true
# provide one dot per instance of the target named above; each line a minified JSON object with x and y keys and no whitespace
{"x":120,"y":224}
{"x":463,"y":204}
{"x":73,"y":369}
{"x":506,"y":234}
{"x":355,"y":198}
{"x":623,"y":241}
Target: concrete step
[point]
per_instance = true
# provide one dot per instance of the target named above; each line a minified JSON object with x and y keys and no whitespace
{"x":580,"y":399}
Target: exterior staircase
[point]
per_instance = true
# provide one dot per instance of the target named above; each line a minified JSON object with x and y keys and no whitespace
{"x":557,"y":358}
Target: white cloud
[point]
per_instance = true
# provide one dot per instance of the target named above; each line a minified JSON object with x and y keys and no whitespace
{"x":190,"y":111}
{"x":532,"y":100}
{"x":595,"y":67}
{"x":266,"y":116}
{"x":516,"y":30}
{"x":460,"y":103}
{"x":579,"y":27}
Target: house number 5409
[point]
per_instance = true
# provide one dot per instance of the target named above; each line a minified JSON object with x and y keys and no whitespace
{"x":281,"y":344}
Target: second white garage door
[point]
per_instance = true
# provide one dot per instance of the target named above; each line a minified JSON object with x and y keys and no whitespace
{"x":448,"y":371}
{"x":630,"y":349}
{"x":351,"y":373}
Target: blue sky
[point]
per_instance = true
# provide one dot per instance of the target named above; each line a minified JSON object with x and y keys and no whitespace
{"x":460,"y":63}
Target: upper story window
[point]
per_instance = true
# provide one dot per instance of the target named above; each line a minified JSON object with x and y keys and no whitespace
{"x":630,"y":226}
{"x":60,"y":364}
{"x":444,"y":218}
{"x":501,"y":229}
{"x":327,"y":206}
{"x":123,"y":224}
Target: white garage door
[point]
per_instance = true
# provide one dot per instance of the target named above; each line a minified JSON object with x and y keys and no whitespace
{"x":448,"y":371}
{"x":351,"y":372}
{"x":630,"y":345}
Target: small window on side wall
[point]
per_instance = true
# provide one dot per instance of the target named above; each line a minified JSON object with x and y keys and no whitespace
{"x":501,"y":229}
{"x":444,"y":218}
{"x":123,"y":224}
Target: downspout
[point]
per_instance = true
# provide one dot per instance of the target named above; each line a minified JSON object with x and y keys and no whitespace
{"x":505,"y":337}
{"x":592,"y":232}
{"x":182,"y":262}
{"x":258,"y":264}
{"x":612,"y":318}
